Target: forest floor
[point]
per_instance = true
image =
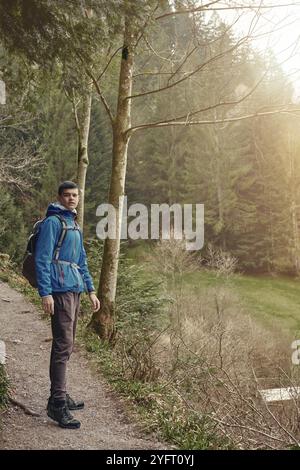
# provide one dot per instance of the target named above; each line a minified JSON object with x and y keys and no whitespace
{"x":106,"y":423}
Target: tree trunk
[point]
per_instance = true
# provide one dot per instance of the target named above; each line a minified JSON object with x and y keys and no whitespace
{"x":83,"y":128}
{"x":103,"y":322}
{"x":217,"y":158}
{"x":293,"y":207}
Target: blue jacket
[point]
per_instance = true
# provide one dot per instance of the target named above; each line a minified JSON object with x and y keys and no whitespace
{"x":61,"y":276}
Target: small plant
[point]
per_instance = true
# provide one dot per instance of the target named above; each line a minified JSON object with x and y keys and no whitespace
{"x":4,"y":387}
{"x":222,"y":262}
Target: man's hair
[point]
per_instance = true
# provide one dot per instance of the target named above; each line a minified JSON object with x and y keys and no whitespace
{"x":66,"y":185}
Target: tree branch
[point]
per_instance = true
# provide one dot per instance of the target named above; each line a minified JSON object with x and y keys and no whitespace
{"x":214,"y":106}
{"x":212,"y":121}
{"x":154,"y":52}
{"x":190,"y":74}
{"x":94,"y":80}
{"x":105,"y":104}
{"x":108,"y":63}
{"x":238,"y":7}
{"x":143,"y":28}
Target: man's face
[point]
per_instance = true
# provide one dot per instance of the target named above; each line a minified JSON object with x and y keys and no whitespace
{"x":69,"y":198}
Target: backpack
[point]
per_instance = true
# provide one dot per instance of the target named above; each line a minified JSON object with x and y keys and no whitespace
{"x":28,"y":269}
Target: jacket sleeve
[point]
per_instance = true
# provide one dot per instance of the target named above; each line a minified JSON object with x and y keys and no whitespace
{"x":83,"y":268}
{"x":44,"y":249}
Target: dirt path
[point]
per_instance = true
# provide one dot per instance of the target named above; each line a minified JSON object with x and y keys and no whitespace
{"x":104,"y":424}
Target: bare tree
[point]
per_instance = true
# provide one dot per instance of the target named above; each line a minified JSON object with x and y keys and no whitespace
{"x":19,"y":166}
{"x":169,"y":76}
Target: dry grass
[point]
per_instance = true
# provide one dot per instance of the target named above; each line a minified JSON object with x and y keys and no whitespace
{"x":218,"y":358}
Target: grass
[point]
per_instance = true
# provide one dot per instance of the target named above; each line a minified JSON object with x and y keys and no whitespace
{"x":271,"y":300}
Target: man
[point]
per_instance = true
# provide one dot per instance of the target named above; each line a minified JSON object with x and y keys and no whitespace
{"x":62,"y":274}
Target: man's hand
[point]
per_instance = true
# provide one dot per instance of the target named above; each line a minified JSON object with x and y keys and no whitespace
{"x":94,"y":301}
{"x":48,"y":304}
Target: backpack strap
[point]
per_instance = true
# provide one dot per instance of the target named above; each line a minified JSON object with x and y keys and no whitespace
{"x":62,"y":236}
{"x":77,"y":226}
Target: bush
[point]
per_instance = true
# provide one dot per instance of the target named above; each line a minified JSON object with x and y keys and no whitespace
{"x":12,"y":229}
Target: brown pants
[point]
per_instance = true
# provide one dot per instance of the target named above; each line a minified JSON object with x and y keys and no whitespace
{"x":63,"y":324}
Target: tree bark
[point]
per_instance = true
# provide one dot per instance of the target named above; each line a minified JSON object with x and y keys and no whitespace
{"x":83,"y":128}
{"x":103,"y":322}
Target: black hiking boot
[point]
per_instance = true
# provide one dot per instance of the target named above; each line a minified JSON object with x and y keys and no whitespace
{"x":62,"y":415}
{"x":72,"y":404}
